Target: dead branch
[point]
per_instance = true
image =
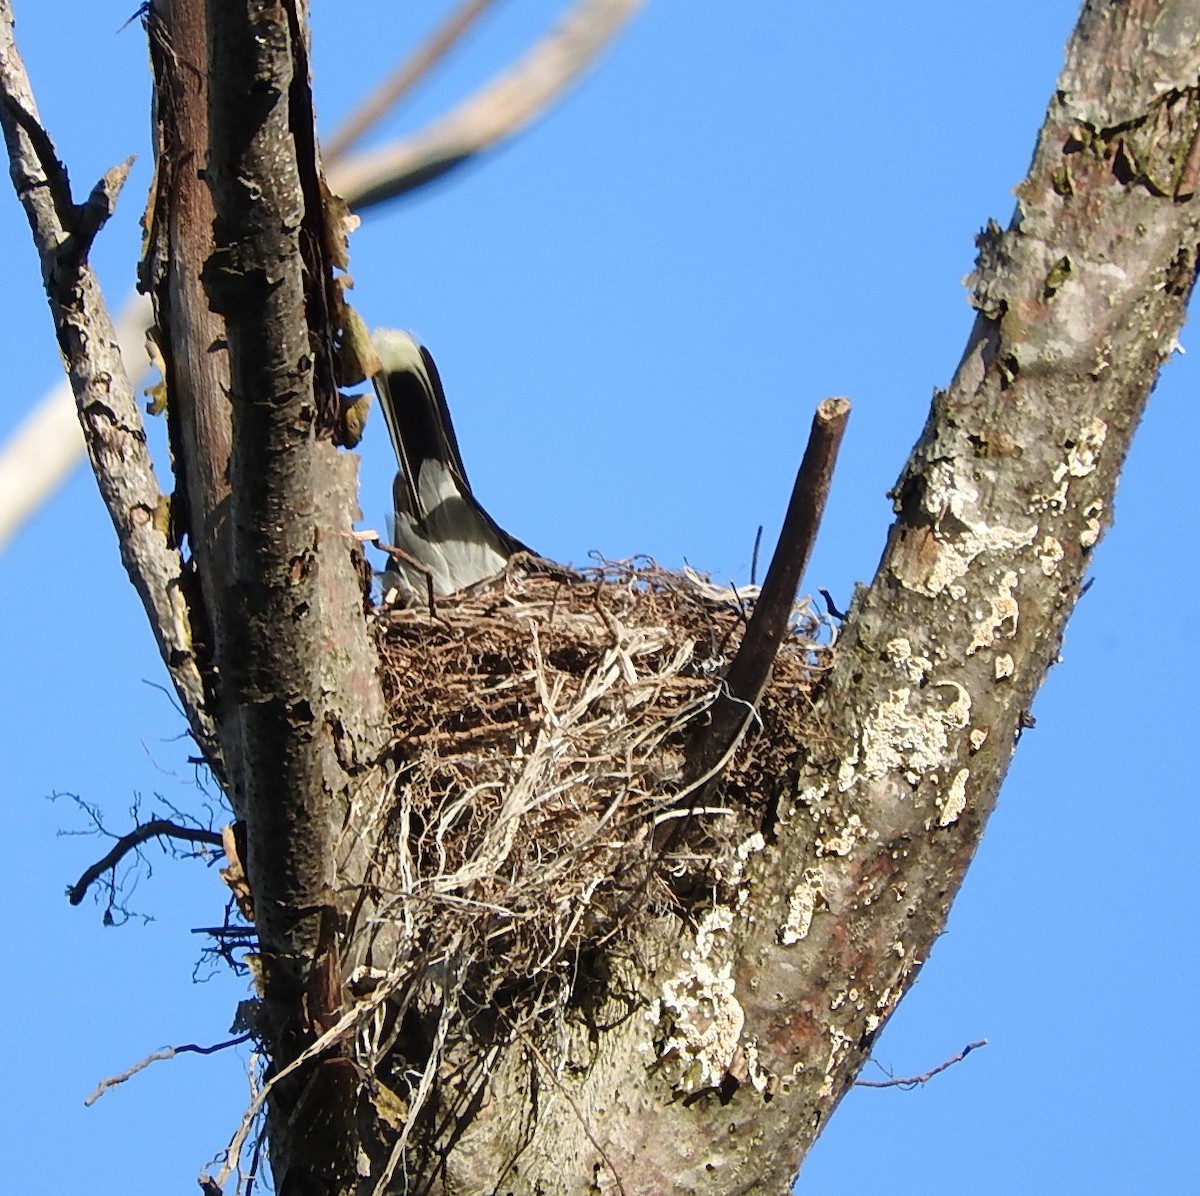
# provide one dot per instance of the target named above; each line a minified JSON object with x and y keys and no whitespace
{"x":405,"y":77}
{"x":158,"y":1057}
{"x":495,"y":112}
{"x":109,"y":413}
{"x":48,"y":443}
{"x":157,"y":828}
{"x":913,"y":1081}
{"x":768,"y":625}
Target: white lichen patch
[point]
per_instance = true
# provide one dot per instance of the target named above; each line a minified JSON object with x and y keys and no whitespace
{"x":754,"y":1071}
{"x":915,"y":667}
{"x":706,"y":1022}
{"x":839,"y":1043}
{"x":948,"y":490}
{"x":956,"y":555}
{"x":1005,"y":666}
{"x":977,"y":738}
{"x":953,"y":802}
{"x":752,"y":844}
{"x":1084,"y":450}
{"x":909,"y":730}
{"x":698,"y":1012}
{"x":716,"y":922}
{"x":733,"y":869}
{"x":842,"y":841}
{"x":1000,"y":621}
{"x":951,"y":498}
{"x":956,"y":708}
{"x":1090,"y":536}
{"x":809,"y":796}
{"x":802,"y":904}
{"x":1050,"y":555}
{"x":1054,"y":500}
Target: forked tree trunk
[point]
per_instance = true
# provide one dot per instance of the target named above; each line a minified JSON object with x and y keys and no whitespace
{"x":713,"y":1042}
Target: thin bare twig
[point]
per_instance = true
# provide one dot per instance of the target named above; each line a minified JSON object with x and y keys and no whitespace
{"x":405,"y":77}
{"x":496,"y":111}
{"x":754,"y":556}
{"x":154,"y":829}
{"x":913,"y":1081}
{"x":158,"y":1057}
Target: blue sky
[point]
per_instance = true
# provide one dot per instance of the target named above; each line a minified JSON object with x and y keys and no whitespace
{"x":635,"y":308}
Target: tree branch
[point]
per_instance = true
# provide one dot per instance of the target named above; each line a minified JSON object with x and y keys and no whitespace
{"x":107,"y":407}
{"x":48,"y":443}
{"x":158,"y":1057}
{"x":925,"y":1076}
{"x":998,"y":511}
{"x":404,"y":78}
{"x":495,"y":112}
{"x":751,"y":667}
{"x":154,"y":829}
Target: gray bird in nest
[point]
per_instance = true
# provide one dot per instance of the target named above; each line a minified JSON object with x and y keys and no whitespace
{"x":439,"y":522}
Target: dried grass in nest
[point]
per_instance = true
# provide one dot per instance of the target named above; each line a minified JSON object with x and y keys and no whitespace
{"x":539,"y":727}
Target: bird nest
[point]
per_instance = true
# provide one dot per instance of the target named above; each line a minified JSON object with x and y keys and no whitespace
{"x":542,"y":793}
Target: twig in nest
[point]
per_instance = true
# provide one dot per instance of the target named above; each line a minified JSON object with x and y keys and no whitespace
{"x":913,"y":1081}
{"x":154,"y":829}
{"x":398,"y":554}
{"x":754,"y":556}
{"x":347,"y":1023}
{"x":419,"y":1098}
{"x":157,"y":1057}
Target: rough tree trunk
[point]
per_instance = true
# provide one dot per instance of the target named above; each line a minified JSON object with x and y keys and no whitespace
{"x":1003,"y":500}
{"x":715,"y":1042}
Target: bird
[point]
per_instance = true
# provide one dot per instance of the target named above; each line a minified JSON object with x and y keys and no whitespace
{"x":439,"y":522}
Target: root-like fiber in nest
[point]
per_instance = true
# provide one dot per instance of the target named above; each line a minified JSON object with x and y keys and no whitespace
{"x":541,"y":797}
